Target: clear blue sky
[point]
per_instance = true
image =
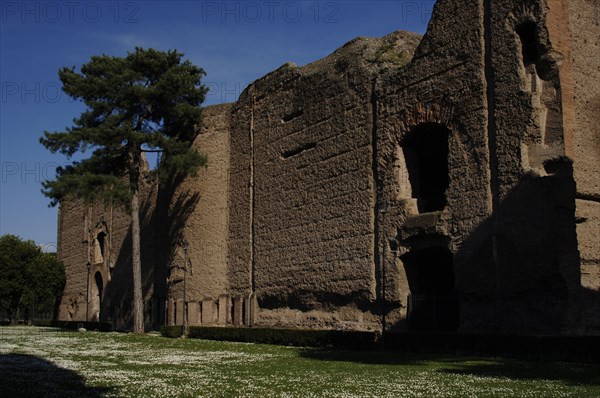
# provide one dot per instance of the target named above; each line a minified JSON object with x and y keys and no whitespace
{"x":236,"y":42}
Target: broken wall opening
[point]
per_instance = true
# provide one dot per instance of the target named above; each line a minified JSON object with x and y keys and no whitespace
{"x":530,"y":48}
{"x":425,"y":157}
{"x":541,"y":81}
{"x":433,"y":301}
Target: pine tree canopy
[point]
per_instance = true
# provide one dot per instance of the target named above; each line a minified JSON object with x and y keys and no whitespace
{"x":148,"y":101}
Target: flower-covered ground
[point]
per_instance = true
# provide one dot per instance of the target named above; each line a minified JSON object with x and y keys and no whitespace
{"x":45,"y":362}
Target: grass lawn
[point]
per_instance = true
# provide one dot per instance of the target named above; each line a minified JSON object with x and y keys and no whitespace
{"x":45,"y":362}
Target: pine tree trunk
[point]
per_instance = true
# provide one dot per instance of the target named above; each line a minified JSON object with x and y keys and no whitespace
{"x":138,"y":303}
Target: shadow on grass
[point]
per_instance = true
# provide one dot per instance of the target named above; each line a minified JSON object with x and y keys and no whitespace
{"x":30,"y":376}
{"x":367,"y":357}
{"x":568,"y":373}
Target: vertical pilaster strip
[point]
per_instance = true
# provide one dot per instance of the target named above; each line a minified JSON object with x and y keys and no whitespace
{"x":378,"y":271}
{"x":492,"y":132}
{"x":252,"y":312}
{"x":557,"y":23}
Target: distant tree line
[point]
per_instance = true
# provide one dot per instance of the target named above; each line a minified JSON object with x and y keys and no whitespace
{"x":31,"y":282}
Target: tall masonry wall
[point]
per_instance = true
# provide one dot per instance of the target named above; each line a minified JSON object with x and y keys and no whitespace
{"x":73,"y":252}
{"x":198,"y":215}
{"x":310,"y":203}
{"x":531,"y":238}
{"x":584,"y":25}
{"x":448,"y":182}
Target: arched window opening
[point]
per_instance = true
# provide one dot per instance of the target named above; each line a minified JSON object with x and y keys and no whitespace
{"x":530,"y":49}
{"x":425,"y":151}
{"x":99,"y":247}
{"x":433,"y":302}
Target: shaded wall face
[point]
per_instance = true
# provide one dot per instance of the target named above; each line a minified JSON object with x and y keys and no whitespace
{"x":87,"y":252}
{"x":120,"y":284}
{"x":72,"y":251}
{"x":533,"y":243}
{"x":96,"y":240}
{"x":95,"y":246}
{"x":509,"y":219}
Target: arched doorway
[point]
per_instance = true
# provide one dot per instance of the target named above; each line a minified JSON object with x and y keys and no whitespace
{"x":433,"y":302}
{"x":96,"y":297}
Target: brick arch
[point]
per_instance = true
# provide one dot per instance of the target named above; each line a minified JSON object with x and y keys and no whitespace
{"x":407,"y":121}
{"x":425,"y":113}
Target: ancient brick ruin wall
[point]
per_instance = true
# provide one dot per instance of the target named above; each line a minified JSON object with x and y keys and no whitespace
{"x":584,"y":24}
{"x":313,"y":241}
{"x":509,"y":216}
{"x":200,"y":206}
{"x":534,"y":238}
{"x":79,"y":249}
{"x":442,"y":86}
{"x":312,"y":212}
{"x":72,"y":251}
{"x":240,"y":204}
{"x":310,"y":256}
{"x":120,"y":285}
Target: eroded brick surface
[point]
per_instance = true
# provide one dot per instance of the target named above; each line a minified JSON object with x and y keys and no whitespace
{"x":436,"y":183}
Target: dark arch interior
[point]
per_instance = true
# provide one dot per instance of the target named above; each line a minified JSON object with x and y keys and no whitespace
{"x":527,"y":32}
{"x":101,"y":241}
{"x":433,"y":302}
{"x":99,"y":285}
{"x":426,"y":153}
{"x":96,"y":298}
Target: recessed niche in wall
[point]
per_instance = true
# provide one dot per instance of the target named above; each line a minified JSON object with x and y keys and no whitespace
{"x":99,"y":248}
{"x":422,"y":167}
{"x":544,"y":139}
